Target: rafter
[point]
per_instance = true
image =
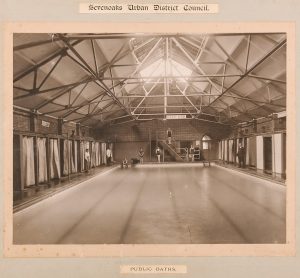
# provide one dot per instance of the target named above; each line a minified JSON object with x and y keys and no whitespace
{"x":229,"y":57}
{"x":107,"y":90}
{"x":89,"y":78}
{"x":60,"y":52}
{"x":252,"y":68}
{"x":194,"y":64}
{"x":34,"y":44}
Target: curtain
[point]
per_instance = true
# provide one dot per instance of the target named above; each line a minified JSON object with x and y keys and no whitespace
{"x":93,"y":155}
{"x":111,"y":146}
{"x":226,"y":150}
{"x":28,"y":161}
{"x":230,"y":144}
{"x":66,"y":160}
{"x":220,"y":150}
{"x":100,"y":154}
{"x":42,"y":159}
{"x":73,"y":155}
{"x":76,"y":155}
{"x":97,"y":154}
{"x":247,"y":150}
{"x":103,"y":151}
{"x":54,"y":159}
{"x":82,"y":150}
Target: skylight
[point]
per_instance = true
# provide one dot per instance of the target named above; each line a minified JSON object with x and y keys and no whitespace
{"x":162,"y":68}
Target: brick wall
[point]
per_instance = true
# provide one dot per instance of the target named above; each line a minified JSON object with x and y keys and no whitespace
{"x":51,"y":128}
{"x":21,"y":121}
{"x":68,"y":128}
{"x":259,"y":126}
{"x":280,"y":124}
{"x":131,"y":136}
{"x":265,"y":125}
{"x":25,"y":122}
{"x":86,"y":131}
{"x":183,"y":130}
{"x":130,"y":150}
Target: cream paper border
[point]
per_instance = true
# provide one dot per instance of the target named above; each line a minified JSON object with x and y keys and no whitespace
{"x":158,"y":250}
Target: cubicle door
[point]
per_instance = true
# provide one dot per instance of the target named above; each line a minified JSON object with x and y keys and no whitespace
{"x":267,"y":141}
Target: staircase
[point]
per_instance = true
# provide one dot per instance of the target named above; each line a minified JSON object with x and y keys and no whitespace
{"x":171,"y":150}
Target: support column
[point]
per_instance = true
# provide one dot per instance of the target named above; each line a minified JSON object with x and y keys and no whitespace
{"x":33,"y":122}
{"x":48,"y":159}
{"x":60,"y":126}
{"x":78,"y":129}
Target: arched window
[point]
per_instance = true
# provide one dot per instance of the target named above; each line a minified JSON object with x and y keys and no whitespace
{"x":205,"y":142}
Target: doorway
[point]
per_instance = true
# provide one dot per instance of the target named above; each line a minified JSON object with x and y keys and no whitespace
{"x":268,"y":155}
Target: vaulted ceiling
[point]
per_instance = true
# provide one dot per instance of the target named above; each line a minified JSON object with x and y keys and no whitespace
{"x":95,"y":79}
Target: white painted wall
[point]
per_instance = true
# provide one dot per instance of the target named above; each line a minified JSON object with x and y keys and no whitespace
{"x":259,"y":153}
{"x":277,"y":153}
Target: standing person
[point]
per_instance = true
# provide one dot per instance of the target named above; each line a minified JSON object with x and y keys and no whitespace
{"x":169,"y":136}
{"x":108,"y":156}
{"x":87,"y":160}
{"x":241,"y":155}
{"x":186,"y":149}
{"x":192,"y":152}
{"x":141,"y":155}
{"x":157,"y":152}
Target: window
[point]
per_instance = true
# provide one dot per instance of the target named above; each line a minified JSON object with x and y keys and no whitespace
{"x":166,"y":67}
{"x":205,"y":142}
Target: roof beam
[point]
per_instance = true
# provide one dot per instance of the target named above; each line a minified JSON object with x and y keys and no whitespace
{"x":97,"y":112}
{"x":144,"y":60}
{"x":146,"y":95}
{"x":67,"y":87}
{"x":194,"y":64}
{"x":107,"y":90}
{"x":166,"y":81}
{"x":145,"y":35}
{"x":267,"y":78}
{"x":278,"y":46}
{"x":88,"y":102}
{"x":34,"y":44}
{"x":60,"y":52}
{"x":229,"y":57}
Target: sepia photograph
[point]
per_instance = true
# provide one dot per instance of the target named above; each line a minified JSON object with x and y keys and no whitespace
{"x":149,"y":138}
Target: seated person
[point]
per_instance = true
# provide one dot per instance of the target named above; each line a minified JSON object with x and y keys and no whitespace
{"x":124,"y":163}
